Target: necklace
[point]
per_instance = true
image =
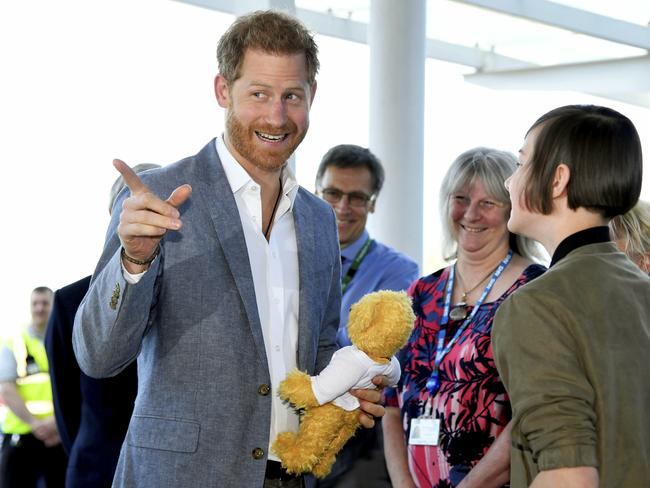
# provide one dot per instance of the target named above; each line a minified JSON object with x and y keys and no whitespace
{"x":433,"y":383}
{"x":459,"y":310}
{"x":275,"y":207}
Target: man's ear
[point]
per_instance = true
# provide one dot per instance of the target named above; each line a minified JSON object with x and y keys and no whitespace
{"x":371,"y":206}
{"x":561,"y":180}
{"x":312,"y":92}
{"x":222,"y":91}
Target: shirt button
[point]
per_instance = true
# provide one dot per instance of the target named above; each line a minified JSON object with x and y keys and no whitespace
{"x":277,"y":348}
{"x":254,"y":188}
{"x":258,"y":453}
{"x":264,"y":389}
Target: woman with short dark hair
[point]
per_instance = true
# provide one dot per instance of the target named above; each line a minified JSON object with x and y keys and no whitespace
{"x":572,"y":346}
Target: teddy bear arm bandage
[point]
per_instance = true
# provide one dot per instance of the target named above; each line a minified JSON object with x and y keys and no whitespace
{"x":393,"y":371}
{"x":346,"y":368}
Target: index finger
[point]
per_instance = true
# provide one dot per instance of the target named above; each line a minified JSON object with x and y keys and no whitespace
{"x":131,"y":179}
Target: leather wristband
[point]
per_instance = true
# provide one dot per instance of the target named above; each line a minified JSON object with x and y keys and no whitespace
{"x":138,"y":261}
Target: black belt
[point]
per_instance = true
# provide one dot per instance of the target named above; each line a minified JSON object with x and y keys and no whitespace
{"x":275,"y":471}
{"x":18,"y":439}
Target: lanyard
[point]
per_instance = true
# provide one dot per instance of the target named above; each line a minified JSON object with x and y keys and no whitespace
{"x":352,"y":270}
{"x":433,"y":383}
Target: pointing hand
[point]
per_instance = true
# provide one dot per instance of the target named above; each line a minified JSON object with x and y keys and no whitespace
{"x":145,"y":218}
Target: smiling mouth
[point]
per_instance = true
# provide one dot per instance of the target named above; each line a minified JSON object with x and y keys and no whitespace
{"x":343,"y":222}
{"x":270,"y":137}
{"x":473,"y":230}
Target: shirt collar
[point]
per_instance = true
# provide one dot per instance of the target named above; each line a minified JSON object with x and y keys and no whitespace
{"x":238,"y":178}
{"x":34,"y":332}
{"x":352,"y":250}
{"x":592,"y":235}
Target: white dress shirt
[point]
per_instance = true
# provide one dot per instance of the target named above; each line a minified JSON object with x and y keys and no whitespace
{"x":274,"y":266}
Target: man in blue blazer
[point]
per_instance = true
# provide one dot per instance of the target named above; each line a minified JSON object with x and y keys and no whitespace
{"x":225,"y":286}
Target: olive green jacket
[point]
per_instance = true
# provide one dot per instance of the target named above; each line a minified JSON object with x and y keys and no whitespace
{"x":572,"y":348}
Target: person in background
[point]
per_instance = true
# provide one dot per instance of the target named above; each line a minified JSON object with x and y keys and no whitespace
{"x":631,"y":233}
{"x":92,"y":415}
{"x":31,"y":447}
{"x":572,"y":346}
{"x":447,"y":422}
{"x":350,"y":178}
{"x":220,"y":275}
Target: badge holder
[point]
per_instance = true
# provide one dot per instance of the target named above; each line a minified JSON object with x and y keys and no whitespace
{"x":425,"y":430}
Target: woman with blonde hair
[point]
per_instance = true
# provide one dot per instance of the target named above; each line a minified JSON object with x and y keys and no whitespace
{"x":631,"y":232}
{"x":446,"y":423}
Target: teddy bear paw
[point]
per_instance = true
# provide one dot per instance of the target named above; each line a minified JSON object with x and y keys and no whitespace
{"x":294,"y":459}
{"x":285,"y":442}
{"x":323,"y":468}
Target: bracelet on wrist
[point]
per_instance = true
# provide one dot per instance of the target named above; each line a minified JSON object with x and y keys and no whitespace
{"x":140,"y":262}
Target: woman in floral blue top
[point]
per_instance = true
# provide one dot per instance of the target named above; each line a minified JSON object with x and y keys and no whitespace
{"x":446,"y":422}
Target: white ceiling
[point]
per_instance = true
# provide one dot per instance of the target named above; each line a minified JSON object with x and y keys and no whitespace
{"x":599,"y":47}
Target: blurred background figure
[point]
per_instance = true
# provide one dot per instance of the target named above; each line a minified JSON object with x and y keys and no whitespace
{"x":92,"y":414}
{"x":449,"y":374}
{"x":350,"y":178}
{"x":31,"y":447}
{"x":631,"y":232}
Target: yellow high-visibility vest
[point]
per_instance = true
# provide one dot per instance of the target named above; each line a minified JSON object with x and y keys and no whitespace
{"x":33,"y":382}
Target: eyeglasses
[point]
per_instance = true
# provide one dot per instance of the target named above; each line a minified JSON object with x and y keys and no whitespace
{"x":355,"y":198}
{"x":486,"y":205}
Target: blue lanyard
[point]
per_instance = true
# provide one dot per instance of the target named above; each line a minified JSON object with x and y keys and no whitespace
{"x":433,"y":383}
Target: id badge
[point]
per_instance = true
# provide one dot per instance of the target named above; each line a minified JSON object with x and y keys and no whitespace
{"x":424,"y":431}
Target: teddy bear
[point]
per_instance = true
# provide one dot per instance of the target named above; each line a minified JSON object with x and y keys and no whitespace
{"x":378,"y":326}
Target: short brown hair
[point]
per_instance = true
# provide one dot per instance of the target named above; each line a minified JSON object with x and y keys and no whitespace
{"x":352,"y":156}
{"x":602,"y":149}
{"x":268,"y":31}
{"x":43,"y":289}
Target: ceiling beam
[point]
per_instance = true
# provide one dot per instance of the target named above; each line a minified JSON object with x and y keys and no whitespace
{"x":623,"y":79}
{"x":351,"y":30}
{"x":616,"y":75}
{"x":572,"y":19}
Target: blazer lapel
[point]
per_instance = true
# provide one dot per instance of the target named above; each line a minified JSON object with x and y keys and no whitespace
{"x":306,"y":241}
{"x":218,"y":198}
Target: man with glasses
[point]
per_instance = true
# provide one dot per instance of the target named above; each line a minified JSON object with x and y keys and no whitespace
{"x":349,"y":178}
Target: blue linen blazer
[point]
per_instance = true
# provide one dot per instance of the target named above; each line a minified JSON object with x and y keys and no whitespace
{"x":92,"y":415}
{"x":202,"y":414}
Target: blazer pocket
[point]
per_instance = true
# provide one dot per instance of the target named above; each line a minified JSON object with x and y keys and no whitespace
{"x":165,"y":434}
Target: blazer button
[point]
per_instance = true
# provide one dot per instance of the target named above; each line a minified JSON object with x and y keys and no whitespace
{"x":258,"y":453}
{"x":264,"y":389}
